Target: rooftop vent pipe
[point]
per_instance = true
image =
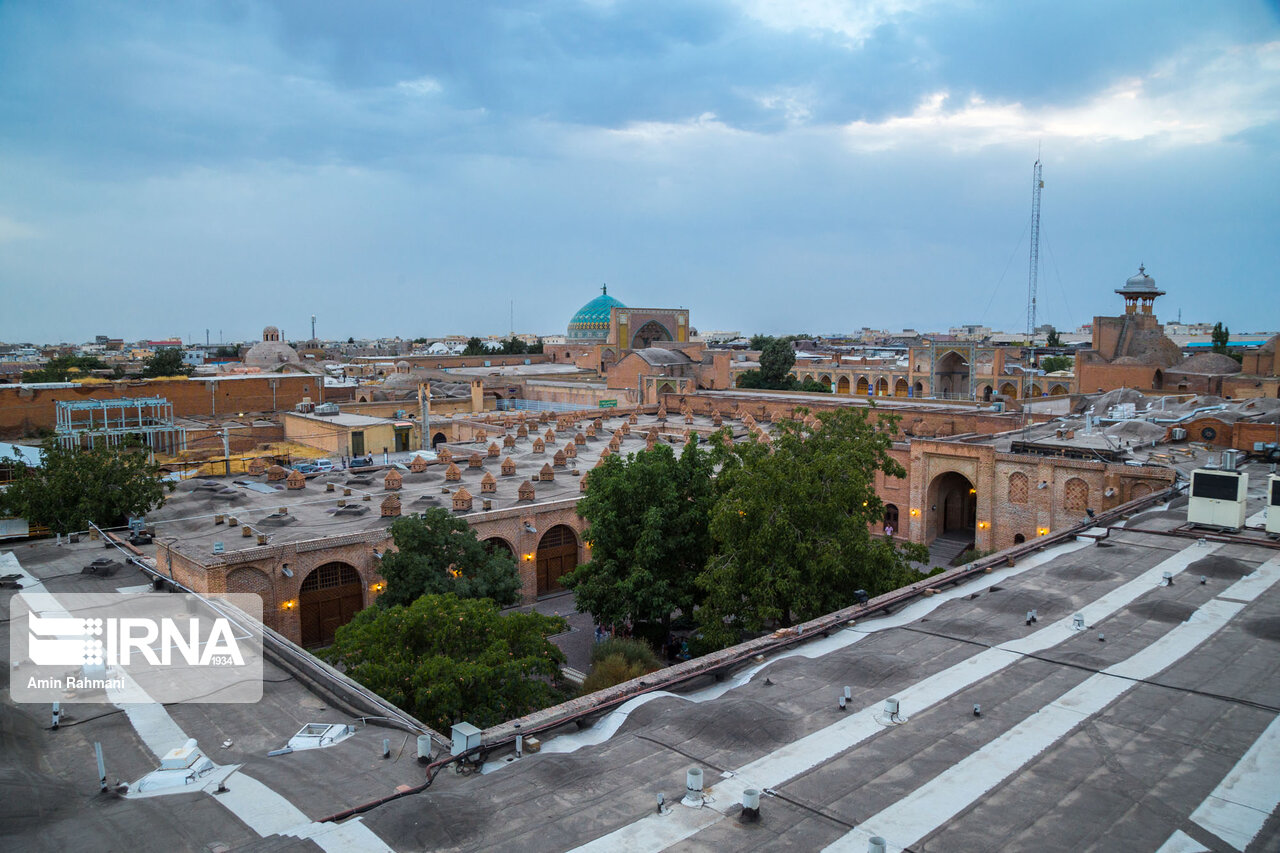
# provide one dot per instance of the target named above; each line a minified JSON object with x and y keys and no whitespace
{"x":751,"y":805}
{"x":693,"y":787}
{"x":876,"y":844}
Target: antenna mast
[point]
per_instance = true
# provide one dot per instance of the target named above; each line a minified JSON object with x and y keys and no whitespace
{"x":1036,"y":186}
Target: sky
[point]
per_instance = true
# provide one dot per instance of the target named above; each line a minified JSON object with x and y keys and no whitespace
{"x":777,"y":166}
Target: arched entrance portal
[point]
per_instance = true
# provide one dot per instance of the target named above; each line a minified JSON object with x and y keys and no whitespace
{"x":331,"y":594}
{"x":951,"y":376}
{"x":842,"y":385}
{"x":437,"y":440}
{"x":648,"y":333}
{"x":557,"y":556}
{"x":953,"y":505}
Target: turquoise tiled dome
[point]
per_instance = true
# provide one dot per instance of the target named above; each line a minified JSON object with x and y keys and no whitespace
{"x":592,"y":319}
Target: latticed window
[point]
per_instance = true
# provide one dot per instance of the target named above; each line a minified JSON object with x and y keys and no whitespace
{"x":1076,"y":496}
{"x":1018,"y":486}
{"x":330,"y":575}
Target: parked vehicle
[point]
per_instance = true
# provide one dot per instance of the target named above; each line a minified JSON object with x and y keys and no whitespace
{"x":306,"y":468}
{"x":324,"y":464}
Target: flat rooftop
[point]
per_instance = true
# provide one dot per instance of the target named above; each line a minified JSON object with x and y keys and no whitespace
{"x":1153,"y":728}
{"x":187,"y":517}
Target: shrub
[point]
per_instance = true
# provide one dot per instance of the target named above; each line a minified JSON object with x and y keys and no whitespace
{"x":632,"y":652}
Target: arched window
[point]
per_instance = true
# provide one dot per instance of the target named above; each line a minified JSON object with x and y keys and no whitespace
{"x":1019,"y":487}
{"x":890,"y":517}
{"x":1076,"y":495}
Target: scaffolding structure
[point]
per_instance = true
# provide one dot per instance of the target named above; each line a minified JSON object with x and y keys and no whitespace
{"x":148,"y":420}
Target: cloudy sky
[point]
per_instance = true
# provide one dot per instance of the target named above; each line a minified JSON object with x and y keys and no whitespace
{"x":415,"y":168}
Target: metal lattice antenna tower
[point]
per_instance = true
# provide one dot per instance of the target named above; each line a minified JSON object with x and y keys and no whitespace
{"x":1036,"y":186}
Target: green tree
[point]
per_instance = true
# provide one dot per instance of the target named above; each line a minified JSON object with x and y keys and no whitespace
{"x":1054,"y":363}
{"x":792,"y":526}
{"x":1221,"y":337}
{"x":535,"y":349}
{"x":226,"y":352}
{"x":649,"y":537}
{"x":514,"y":346}
{"x":813,"y":386}
{"x":63,"y":367}
{"x":446,"y":659}
{"x":475,"y":346}
{"x":167,"y":361}
{"x":72,"y":488}
{"x":437,"y":553}
{"x":758,"y":341}
{"x":776,"y":360}
{"x":1055,"y":340}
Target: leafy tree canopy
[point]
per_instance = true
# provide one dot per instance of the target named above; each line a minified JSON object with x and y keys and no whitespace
{"x":812,"y":386}
{"x":649,"y":536}
{"x":64,"y":367}
{"x":437,"y":554}
{"x":1221,"y":337}
{"x":475,"y":346}
{"x":1054,"y":363}
{"x":776,"y":360}
{"x":514,"y":346}
{"x":103,"y":485}
{"x":535,"y":349}
{"x":792,"y":525}
{"x":166,"y":362}
{"x":447,"y":659}
{"x":1055,"y":340}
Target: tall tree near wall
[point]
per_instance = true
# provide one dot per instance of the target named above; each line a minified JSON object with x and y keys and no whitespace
{"x":437,"y":553}
{"x":1221,"y":337}
{"x":649,"y":536}
{"x":792,"y":527}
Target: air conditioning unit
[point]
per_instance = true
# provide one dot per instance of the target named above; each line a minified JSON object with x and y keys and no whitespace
{"x":1218,"y":498}
{"x":327,"y":409}
{"x":1179,"y":434}
{"x":1273,"y":504}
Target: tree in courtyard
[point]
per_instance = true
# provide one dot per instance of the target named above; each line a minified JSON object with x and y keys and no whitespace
{"x":792,"y":525}
{"x":1055,"y":340}
{"x":649,"y":537}
{"x":514,"y":346}
{"x":437,"y":553}
{"x":167,"y":361}
{"x":758,"y":341}
{"x":1221,"y":337}
{"x":475,"y":346}
{"x":813,"y":386}
{"x":776,"y":360}
{"x":64,"y":367}
{"x":71,"y":487}
{"x":1054,"y":363}
{"x":446,"y":659}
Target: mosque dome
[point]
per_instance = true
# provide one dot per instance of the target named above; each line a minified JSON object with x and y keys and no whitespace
{"x":592,"y":320}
